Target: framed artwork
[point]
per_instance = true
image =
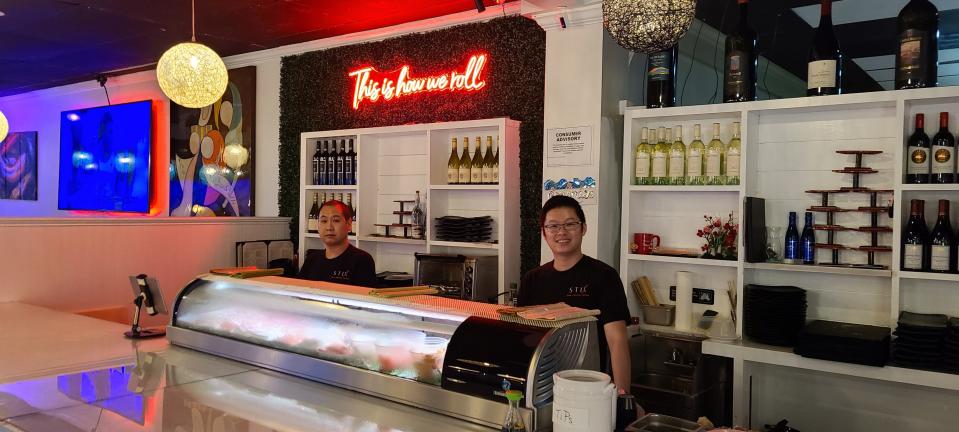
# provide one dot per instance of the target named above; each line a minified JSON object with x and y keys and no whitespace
{"x":212,"y":152}
{"x":18,"y":166}
{"x":105,"y":158}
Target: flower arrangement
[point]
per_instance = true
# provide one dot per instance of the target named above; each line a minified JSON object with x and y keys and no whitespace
{"x":720,"y":237}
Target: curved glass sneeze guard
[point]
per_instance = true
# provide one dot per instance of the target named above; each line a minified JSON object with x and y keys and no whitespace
{"x":368,"y":335}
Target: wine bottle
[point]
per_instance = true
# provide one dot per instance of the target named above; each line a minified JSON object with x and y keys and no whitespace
{"x":917,"y":55}
{"x":915,"y":238}
{"x":466,"y":163}
{"x":792,"y":246}
{"x":660,"y":158}
{"x":824,"y":68}
{"x":349,"y":203}
{"x":918,"y":149}
{"x":341,"y":163}
{"x":733,"y":157}
{"x":643,"y":160}
{"x":317,"y":170}
{"x":695,"y":162}
{"x":677,"y":158}
{"x":496,"y":162}
{"x":476,"y":171}
{"x":661,"y":78}
{"x":942,"y":250}
{"x":715,"y":157}
{"x":453,"y":165}
{"x":349,"y":157}
{"x":330,"y":162}
{"x":488,"y":161}
{"x":313,"y":216}
{"x":943,"y":153}
{"x":419,"y":217}
{"x":808,"y":241}
{"x":739,"y":84}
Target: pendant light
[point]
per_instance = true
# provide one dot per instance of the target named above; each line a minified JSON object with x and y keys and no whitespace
{"x":4,"y":127}
{"x":192,"y":74}
{"x":648,"y":26}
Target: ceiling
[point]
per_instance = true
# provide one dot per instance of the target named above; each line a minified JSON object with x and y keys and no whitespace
{"x":866,"y":30}
{"x":48,"y":43}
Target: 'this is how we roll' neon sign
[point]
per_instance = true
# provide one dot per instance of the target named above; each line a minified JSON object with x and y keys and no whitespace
{"x":374,"y":85}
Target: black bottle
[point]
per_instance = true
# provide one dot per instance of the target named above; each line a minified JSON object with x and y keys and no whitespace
{"x":824,"y":69}
{"x":739,"y":83}
{"x":917,"y":50}
{"x":661,"y":78}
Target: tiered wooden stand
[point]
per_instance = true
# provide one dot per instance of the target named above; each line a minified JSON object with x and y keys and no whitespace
{"x":408,"y":228}
{"x":874,"y":209}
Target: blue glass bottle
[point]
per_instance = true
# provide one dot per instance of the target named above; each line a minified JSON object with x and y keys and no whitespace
{"x":808,"y":241}
{"x":791,"y":248}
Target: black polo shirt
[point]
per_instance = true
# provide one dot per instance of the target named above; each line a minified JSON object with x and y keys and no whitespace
{"x":353,"y":267}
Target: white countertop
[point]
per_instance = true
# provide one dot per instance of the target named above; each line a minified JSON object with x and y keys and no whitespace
{"x":65,"y":372}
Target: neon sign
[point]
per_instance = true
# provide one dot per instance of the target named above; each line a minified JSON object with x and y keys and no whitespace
{"x":374,"y":85}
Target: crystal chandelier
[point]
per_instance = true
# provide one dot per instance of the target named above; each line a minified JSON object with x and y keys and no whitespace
{"x":648,"y":26}
{"x":192,"y":74}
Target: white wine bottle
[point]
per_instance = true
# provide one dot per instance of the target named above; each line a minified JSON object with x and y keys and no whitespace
{"x":660,"y":158}
{"x":488,"y":161}
{"x":453,"y":166}
{"x":643,"y":159}
{"x":496,"y":162}
{"x":349,"y":203}
{"x":476,"y":171}
{"x":677,"y":158}
{"x":715,"y":153}
{"x":695,"y":160}
{"x":733,"y":157}
{"x":465,"y":163}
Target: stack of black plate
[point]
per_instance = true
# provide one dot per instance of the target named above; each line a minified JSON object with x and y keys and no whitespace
{"x":951,"y":358}
{"x":464,"y":229}
{"x":774,"y":314}
{"x":919,"y":340}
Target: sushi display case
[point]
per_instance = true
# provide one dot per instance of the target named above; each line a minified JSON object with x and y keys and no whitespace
{"x":449,"y":356}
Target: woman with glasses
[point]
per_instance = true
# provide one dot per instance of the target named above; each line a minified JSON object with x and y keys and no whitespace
{"x":581,"y":281}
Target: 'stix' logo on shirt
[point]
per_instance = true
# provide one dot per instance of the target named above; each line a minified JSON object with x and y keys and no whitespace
{"x":340,"y":274}
{"x":578,"y":291}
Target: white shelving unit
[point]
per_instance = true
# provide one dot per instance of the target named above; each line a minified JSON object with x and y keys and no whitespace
{"x":788,"y":147}
{"x":396,"y":161}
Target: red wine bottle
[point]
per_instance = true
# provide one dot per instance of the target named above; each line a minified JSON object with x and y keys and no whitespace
{"x":824,"y":68}
{"x":739,"y":84}
{"x":661,"y":78}
{"x":943,"y":153}
{"x":918,"y":153}
{"x":917,"y":55}
{"x":915,"y":240}
{"x":942,"y":249}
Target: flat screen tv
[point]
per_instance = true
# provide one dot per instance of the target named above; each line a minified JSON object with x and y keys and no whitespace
{"x":105,"y":158}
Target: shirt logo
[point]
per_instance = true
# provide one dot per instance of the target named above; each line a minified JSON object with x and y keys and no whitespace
{"x":340,"y":274}
{"x":578,"y":291}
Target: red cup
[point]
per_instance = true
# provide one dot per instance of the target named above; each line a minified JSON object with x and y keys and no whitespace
{"x":645,"y":242}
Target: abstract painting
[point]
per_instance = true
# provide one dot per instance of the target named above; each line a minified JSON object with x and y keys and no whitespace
{"x":211,"y":152}
{"x":18,"y":166}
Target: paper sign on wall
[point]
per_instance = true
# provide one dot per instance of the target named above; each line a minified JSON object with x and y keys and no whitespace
{"x":569,"y":146}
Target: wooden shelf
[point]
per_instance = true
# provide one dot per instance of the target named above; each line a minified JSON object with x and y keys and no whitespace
{"x":690,"y":188}
{"x":473,"y":245}
{"x":931,"y":187}
{"x":948,"y":277}
{"x":398,"y":240}
{"x":330,"y":187}
{"x":466,"y":187}
{"x":780,"y":356}
{"x":854,"y":170}
{"x":859,"y":152}
{"x":834,"y":209}
{"x":683,"y":260}
{"x":849,"y":271}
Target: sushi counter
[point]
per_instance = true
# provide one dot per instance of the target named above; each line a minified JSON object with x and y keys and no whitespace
{"x":426,"y":352}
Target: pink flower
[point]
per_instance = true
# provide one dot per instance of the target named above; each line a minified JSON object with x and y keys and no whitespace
{"x":699,"y":233}
{"x":717,"y":224}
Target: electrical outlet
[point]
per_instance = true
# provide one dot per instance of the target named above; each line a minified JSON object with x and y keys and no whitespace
{"x":700,"y":295}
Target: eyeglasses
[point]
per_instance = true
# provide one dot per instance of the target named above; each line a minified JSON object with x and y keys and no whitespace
{"x":568,"y":227}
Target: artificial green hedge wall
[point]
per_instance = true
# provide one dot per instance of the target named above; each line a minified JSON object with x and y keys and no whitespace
{"x":316,"y":94}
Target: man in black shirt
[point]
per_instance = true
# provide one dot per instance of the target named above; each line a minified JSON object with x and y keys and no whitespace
{"x":580,"y":281}
{"x":340,"y":262}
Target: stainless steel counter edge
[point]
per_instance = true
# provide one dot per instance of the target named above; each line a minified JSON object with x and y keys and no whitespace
{"x":419,"y":395}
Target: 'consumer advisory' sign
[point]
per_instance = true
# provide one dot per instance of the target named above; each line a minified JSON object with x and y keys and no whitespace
{"x":569,"y":146}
